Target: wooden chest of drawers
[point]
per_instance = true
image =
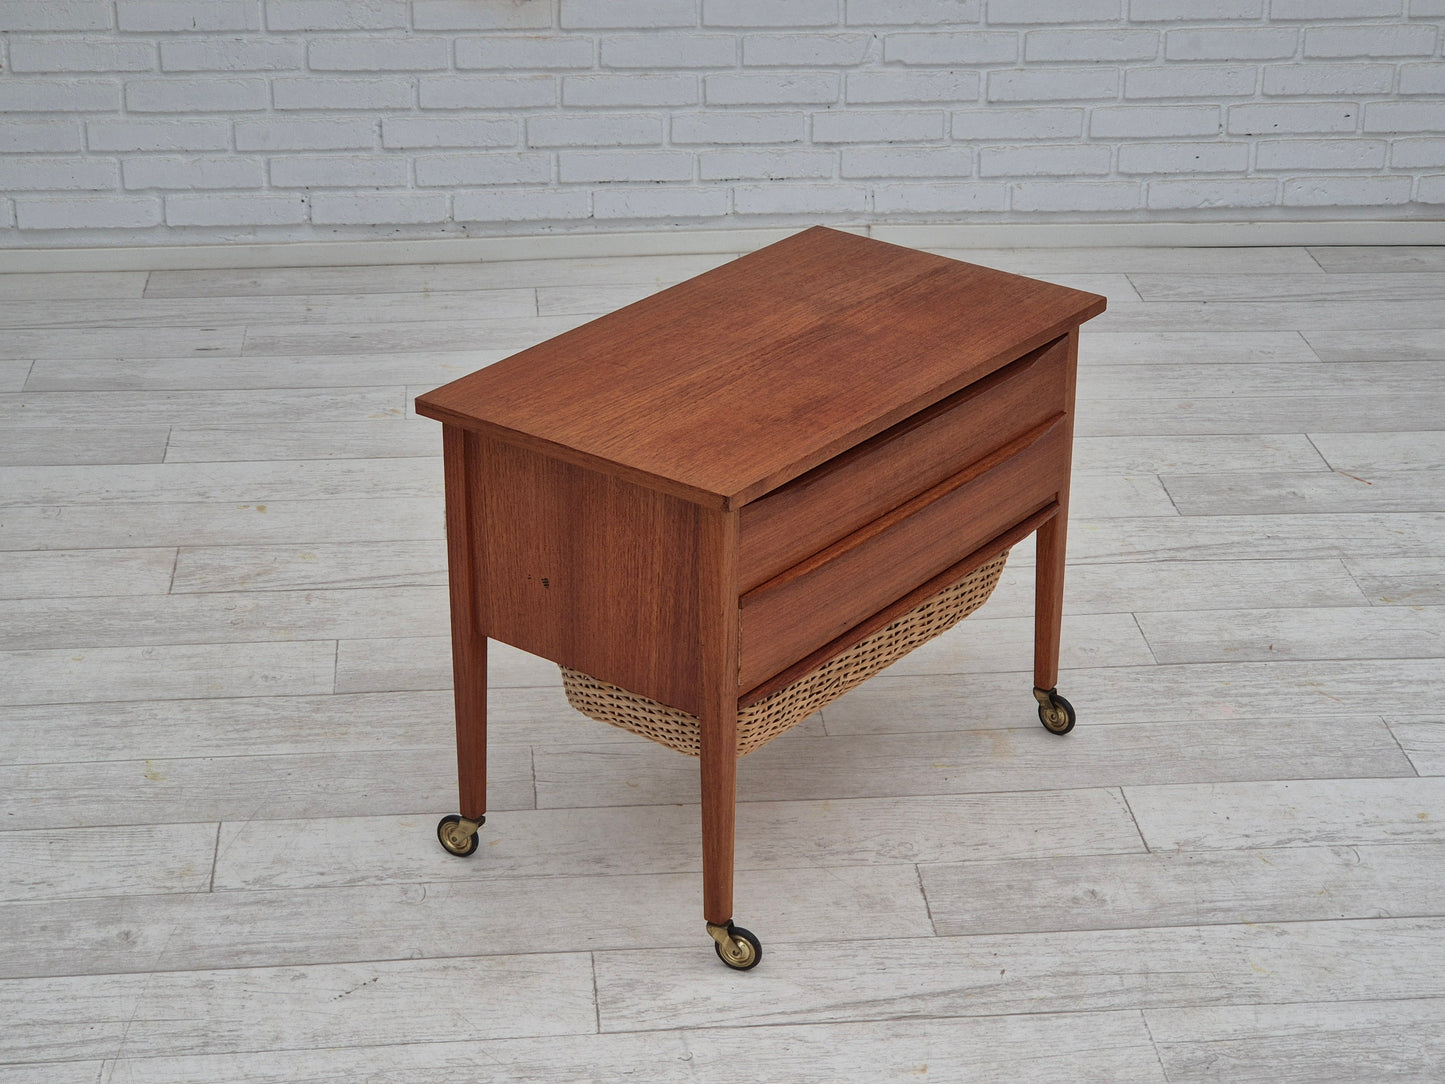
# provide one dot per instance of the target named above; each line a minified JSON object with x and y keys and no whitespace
{"x":704,"y":495}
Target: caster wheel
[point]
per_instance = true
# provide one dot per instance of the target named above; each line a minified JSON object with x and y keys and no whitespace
{"x":453,"y":834}
{"x":743,"y":951}
{"x":1056,"y":713}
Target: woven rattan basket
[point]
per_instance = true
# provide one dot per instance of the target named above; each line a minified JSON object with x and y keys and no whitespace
{"x":761,"y":722}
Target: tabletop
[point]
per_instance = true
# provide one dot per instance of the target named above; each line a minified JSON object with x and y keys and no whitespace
{"x":725,"y":386}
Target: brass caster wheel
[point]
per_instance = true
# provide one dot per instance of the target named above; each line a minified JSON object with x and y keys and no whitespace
{"x":1056,"y":713}
{"x":740,"y":949}
{"x":459,"y":835}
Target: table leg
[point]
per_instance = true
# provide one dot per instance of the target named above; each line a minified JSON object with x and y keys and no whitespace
{"x":719,"y":768}
{"x":458,"y":834}
{"x":1056,"y":713}
{"x":1049,"y":600}
{"x":718,"y":733}
{"x":469,"y":664}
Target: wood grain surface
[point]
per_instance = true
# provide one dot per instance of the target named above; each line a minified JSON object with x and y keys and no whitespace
{"x":843,"y":337}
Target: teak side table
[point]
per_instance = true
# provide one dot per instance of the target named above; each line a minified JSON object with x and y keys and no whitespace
{"x":704,"y":501}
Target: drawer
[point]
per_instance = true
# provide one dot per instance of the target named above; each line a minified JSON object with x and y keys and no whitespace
{"x":838,"y":497}
{"x":820,"y":599}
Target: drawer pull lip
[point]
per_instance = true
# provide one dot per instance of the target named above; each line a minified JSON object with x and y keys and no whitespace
{"x":973,"y":471}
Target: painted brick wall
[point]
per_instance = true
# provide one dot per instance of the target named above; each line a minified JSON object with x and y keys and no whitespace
{"x":151,"y":121}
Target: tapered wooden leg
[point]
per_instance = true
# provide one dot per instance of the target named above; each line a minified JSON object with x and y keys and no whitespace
{"x":1049,"y":601}
{"x":718,"y":672}
{"x":719,"y":767}
{"x":469,"y":664}
{"x":718,"y":733}
{"x":1056,"y":713}
{"x":469,"y":641}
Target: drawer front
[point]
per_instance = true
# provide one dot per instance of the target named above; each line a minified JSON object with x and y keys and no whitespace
{"x":815,"y":510}
{"x":831,"y":592}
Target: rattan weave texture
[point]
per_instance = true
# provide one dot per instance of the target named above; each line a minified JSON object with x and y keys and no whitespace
{"x":761,"y":722}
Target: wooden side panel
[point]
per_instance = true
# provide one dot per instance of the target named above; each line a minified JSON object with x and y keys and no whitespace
{"x":827,"y":595}
{"x":860,"y":485}
{"x":588,"y":570}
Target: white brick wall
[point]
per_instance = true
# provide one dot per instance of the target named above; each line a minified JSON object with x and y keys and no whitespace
{"x":155,"y":121}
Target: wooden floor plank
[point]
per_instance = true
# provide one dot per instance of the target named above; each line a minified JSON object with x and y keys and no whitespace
{"x":59,"y":445}
{"x":1269,"y":315}
{"x":1379,"y":632}
{"x":1108,"y":496}
{"x":1303,"y":1043}
{"x":217,"y":726}
{"x":386,"y":664}
{"x":283,"y":1008}
{"x":198,"y":523}
{"x":935,"y":761}
{"x":137,"y":342}
{"x":1095,"y":970}
{"x":229,"y":483}
{"x":1062,"y":1048}
{"x":1266,"y":536}
{"x":295,"y":406}
{"x":1379,"y":258}
{"x":1169,"y":350}
{"x":1423,"y":741}
{"x":986,"y":644}
{"x":1328,"y":812}
{"x":479,"y":916}
{"x":1400,"y":581}
{"x":287,"y":310}
{"x":338,"y":782}
{"x":69,"y":1072}
{"x":1163,"y":696}
{"x":1263,"y":260}
{"x":1287,"y":884}
{"x":369,"y":438}
{"x":1351,"y":286}
{"x":1402,"y":343}
{"x":14,"y":373}
{"x":238,"y":373}
{"x":308,"y":568}
{"x":255,"y":725}
{"x":73,"y":573}
{"x":428,"y":278}
{"x":505,"y":333}
{"x":1142,"y":587}
{"x":507,"y":667}
{"x":1207,"y":380}
{"x":1191,"y":454}
{"x":228,"y":618}
{"x":168,"y":672}
{"x":96,"y":861}
{"x":591,"y":300}
{"x":58,"y":285}
{"x":337,"y":852}
{"x":1255,"y":416}
{"x":1266,"y":491}
{"x":1368,"y":453}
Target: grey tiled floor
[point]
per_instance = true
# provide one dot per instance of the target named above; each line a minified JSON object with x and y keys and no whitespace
{"x":225,"y":730}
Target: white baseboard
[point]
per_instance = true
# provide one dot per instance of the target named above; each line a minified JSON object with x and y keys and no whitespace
{"x":675,"y":241}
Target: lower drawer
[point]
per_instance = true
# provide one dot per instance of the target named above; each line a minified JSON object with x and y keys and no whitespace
{"x":820,"y":599}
